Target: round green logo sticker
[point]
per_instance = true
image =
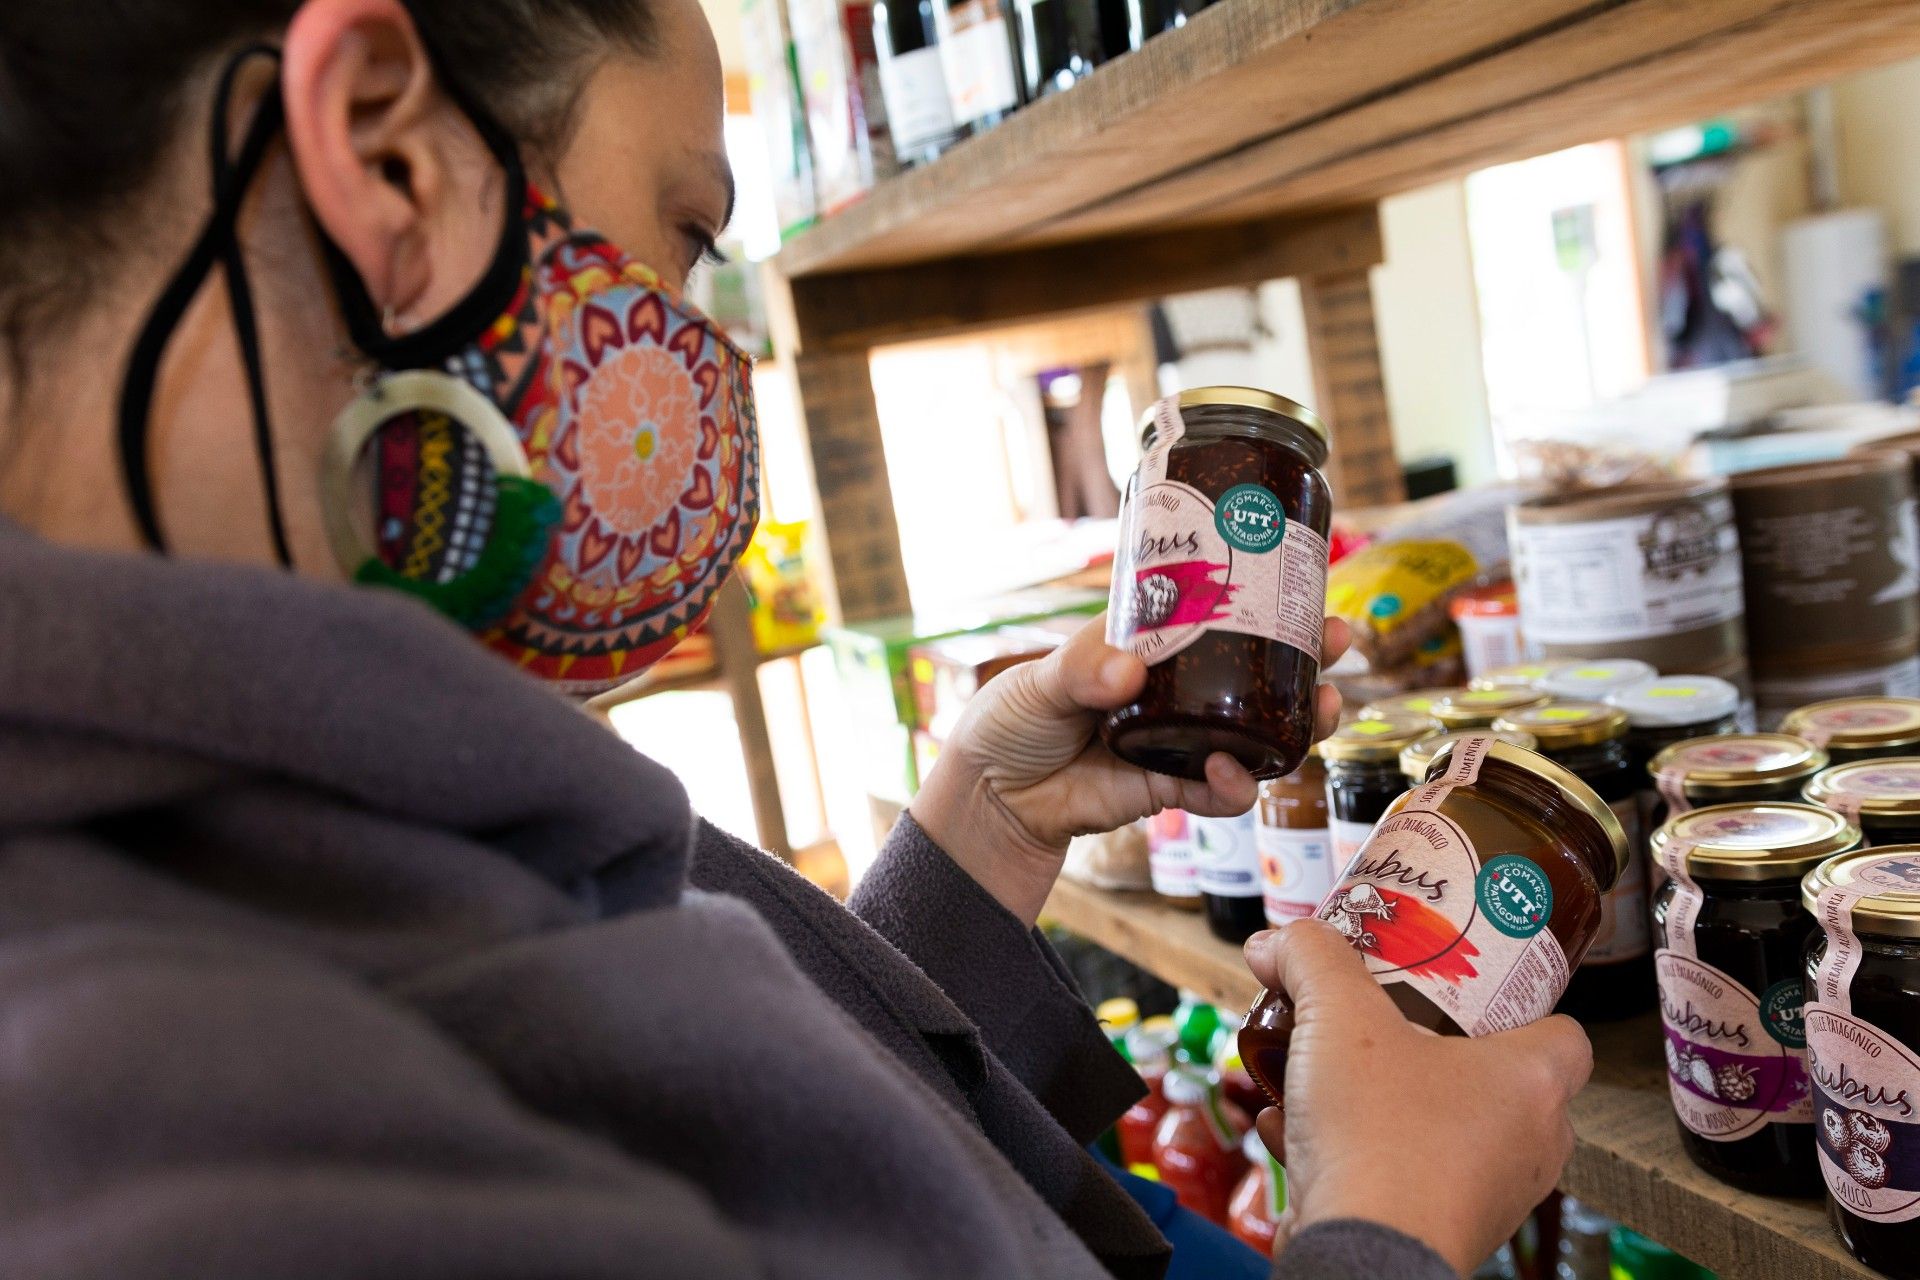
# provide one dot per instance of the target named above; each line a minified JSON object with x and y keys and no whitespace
{"x":1250,"y":518}
{"x":1515,"y":894}
{"x":1781,"y":1013}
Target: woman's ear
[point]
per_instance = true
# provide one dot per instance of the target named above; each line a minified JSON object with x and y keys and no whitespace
{"x":395,"y":173}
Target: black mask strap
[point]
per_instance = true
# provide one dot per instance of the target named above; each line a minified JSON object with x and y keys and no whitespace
{"x":218,"y":245}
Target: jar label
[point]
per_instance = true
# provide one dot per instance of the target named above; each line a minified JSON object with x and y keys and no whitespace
{"x":1635,"y":578}
{"x":1867,"y":1086}
{"x":1296,"y":867}
{"x":1623,"y":933}
{"x":1227,"y":856}
{"x":1186,"y":565}
{"x":1420,"y":906}
{"x":1348,"y":839}
{"x":977,"y":56}
{"x":1730,"y":1065}
{"x":1170,"y":855}
{"x":914,"y":88}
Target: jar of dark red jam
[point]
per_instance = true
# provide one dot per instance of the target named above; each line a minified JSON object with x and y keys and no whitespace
{"x":1732,"y":768}
{"x":1863,"y":1050}
{"x":1881,"y":796}
{"x":1363,"y":776}
{"x":1867,"y":728}
{"x":1590,"y":740}
{"x":1732,"y":941}
{"x":1220,"y":583}
{"x":1473,"y":902}
{"x":1479,"y":708}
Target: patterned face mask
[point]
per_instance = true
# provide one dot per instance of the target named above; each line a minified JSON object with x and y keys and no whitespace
{"x":566,"y":463}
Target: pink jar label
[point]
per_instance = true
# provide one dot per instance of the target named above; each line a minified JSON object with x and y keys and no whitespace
{"x":1424,"y":909}
{"x":1868,"y":1088}
{"x":1735,"y":1061}
{"x":1188,"y":564}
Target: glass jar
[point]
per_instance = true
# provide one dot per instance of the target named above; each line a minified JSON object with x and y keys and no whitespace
{"x":1595,"y":681}
{"x":1296,"y":846}
{"x":1859,"y":728}
{"x":1732,"y":768}
{"x":1863,"y":1050}
{"x":1479,"y":708}
{"x":1881,"y":796}
{"x":1418,"y":758}
{"x":1674,"y":708}
{"x":1363,"y":776}
{"x":1521,"y":675}
{"x":1226,"y":852}
{"x":1176,"y":879}
{"x":1589,"y":739}
{"x":1732,"y":945}
{"x":1477,"y":895}
{"x":1419,"y":702}
{"x":1219,"y":584}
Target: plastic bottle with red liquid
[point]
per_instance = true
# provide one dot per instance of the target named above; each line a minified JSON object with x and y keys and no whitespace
{"x":1197,"y":1148}
{"x":1253,"y":1214}
{"x":1150,"y":1049}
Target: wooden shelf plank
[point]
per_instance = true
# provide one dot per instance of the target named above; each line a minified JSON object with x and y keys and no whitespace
{"x":1263,"y":107}
{"x":1627,"y":1162}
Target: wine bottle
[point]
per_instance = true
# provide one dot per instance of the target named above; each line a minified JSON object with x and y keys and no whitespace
{"x":914,"y":84}
{"x":1059,"y":43}
{"x":978,"y":55}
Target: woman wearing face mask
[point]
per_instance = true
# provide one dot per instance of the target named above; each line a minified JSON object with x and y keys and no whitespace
{"x":332,"y":944}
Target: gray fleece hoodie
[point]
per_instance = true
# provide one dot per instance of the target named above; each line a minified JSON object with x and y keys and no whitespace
{"x":332,"y":947}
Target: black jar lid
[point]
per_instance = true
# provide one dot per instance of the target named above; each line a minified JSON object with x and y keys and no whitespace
{"x":1889,"y":910}
{"x":1758,"y":842}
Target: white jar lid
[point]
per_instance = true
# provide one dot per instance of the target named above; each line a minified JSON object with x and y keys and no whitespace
{"x":1595,"y":680}
{"x":1672,"y":701}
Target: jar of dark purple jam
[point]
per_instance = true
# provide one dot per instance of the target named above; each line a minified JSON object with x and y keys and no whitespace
{"x":1219,"y":583}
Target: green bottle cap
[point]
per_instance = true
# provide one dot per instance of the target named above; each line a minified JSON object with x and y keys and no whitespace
{"x":1637,"y":1258}
{"x":1197,"y":1023}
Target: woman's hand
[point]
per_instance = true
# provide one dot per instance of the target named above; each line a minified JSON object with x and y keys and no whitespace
{"x":1450,"y":1140}
{"x":1025,"y":772}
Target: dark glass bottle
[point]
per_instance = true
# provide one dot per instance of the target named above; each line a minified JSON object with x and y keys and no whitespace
{"x":1123,"y":26}
{"x":919,"y":107}
{"x":1219,"y":584}
{"x":1363,"y":776}
{"x":1060,"y":43}
{"x":1731,"y":990}
{"x":979,"y":54}
{"x":1232,"y":892}
{"x":1590,"y":739}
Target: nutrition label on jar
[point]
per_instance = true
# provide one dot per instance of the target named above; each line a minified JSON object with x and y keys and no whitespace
{"x":1635,"y":578}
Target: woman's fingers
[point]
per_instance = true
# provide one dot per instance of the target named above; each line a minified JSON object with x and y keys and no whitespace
{"x":1326,"y":711}
{"x":1312,"y":963}
{"x":1335,"y":640}
{"x":1272,"y":1124}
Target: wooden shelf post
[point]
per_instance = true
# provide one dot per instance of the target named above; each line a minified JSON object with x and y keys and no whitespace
{"x":1350,"y":389}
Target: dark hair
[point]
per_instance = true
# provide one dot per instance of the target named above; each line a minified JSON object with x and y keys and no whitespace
{"x":93,"y":92}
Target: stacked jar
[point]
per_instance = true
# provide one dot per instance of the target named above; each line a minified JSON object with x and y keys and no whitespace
{"x":1363,"y":776}
{"x":1881,"y":796}
{"x":1519,"y":675}
{"x":1737,"y":768}
{"x":1859,"y":728}
{"x":1589,"y":740}
{"x":1669,"y":710}
{"x":1732,"y":941}
{"x":1863,"y":1050}
{"x":1479,"y":708}
{"x":1595,"y":681}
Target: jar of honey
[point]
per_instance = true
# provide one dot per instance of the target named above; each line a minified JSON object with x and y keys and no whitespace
{"x":1615,"y":980}
{"x":1479,"y":708}
{"x":1732,"y":948}
{"x":1732,"y":768}
{"x":1219,"y":584}
{"x":1363,"y":776}
{"x":1850,"y":729}
{"x":1863,"y":1050}
{"x":1881,"y":796}
{"x":1296,"y":845}
{"x":1418,"y":758}
{"x":1474,"y":900}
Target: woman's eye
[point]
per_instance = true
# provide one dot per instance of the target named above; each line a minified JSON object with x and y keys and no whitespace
{"x":706,"y":250}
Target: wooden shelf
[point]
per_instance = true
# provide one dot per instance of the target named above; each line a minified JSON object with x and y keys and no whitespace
{"x":1627,"y":1163}
{"x":1259,"y":108}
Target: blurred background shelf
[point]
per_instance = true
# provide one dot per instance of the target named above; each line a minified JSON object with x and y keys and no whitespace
{"x":1628,"y":1162}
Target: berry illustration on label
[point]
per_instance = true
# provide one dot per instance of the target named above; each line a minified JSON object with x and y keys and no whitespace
{"x":1154,"y":600}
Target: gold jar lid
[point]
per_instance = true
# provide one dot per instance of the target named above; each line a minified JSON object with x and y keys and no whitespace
{"x":1887,"y":788}
{"x":1758,"y":841}
{"x":1415,"y":760}
{"x":1566,"y":781}
{"x":1731,"y":761}
{"x":1479,"y":708}
{"x":1891,"y":873}
{"x":1372,"y":739}
{"x":1243,"y":398}
{"x":1419,"y":702}
{"x":1522,"y":675}
{"x":1857,"y":724}
{"x":1565,"y":723}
